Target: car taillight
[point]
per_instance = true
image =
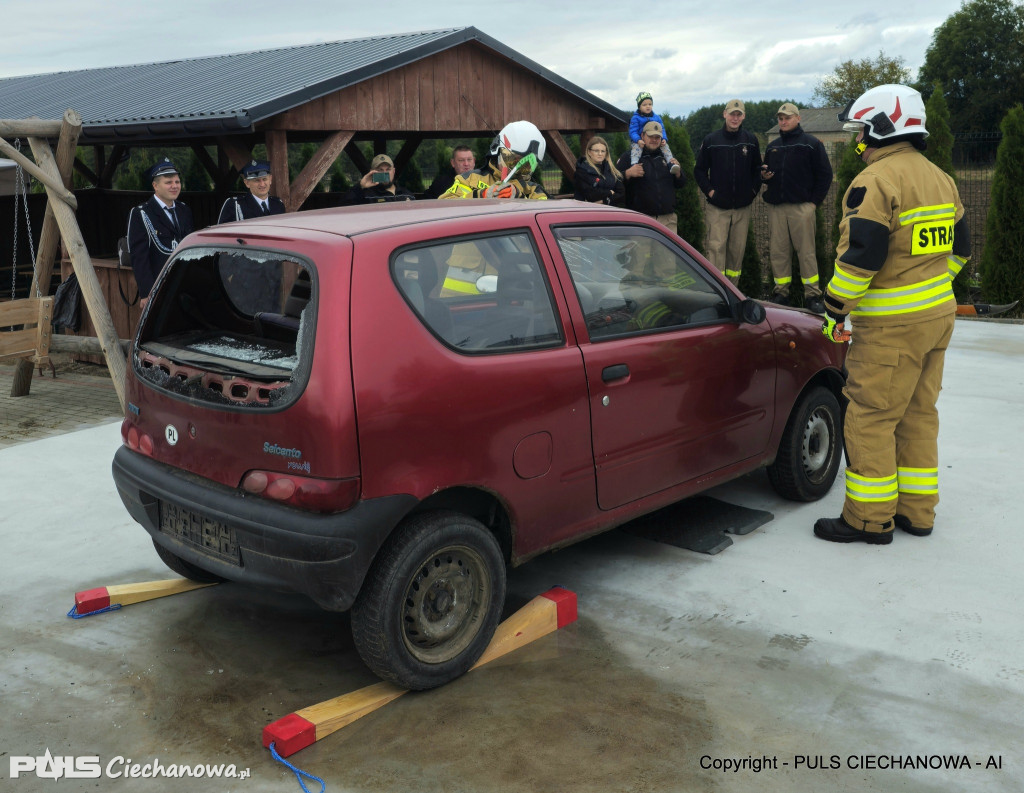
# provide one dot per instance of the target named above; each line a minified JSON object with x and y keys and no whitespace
{"x":138,"y":441}
{"x":319,"y":495}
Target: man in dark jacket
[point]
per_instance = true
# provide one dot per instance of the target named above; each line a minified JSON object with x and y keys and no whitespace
{"x":463,"y":161}
{"x":728,"y":172}
{"x":378,"y":186}
{"x":798,"y":174}
{"x":156,"y":227}
{"x":650,"y":186}
{"x":258,"y":202}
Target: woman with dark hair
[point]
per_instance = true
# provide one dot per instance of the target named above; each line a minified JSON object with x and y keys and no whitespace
{"x":597,"y":179}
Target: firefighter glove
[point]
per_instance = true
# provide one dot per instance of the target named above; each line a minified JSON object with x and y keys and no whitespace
{"x":833,"y":328}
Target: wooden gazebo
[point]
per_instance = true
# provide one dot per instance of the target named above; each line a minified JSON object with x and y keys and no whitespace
{"x":436,"y":84}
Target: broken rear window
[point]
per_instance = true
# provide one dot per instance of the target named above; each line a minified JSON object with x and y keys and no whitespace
{"x":229,"y":326}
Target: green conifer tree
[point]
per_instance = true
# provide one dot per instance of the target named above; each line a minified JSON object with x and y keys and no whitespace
{"x":688,"y":209}
{"x":1002,"y":262}
{"x":940,"y":139}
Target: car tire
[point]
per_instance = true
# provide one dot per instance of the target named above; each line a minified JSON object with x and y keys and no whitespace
{"x":431,"y":600}
{"x":186,"y":569}
{"x":811,"y":447}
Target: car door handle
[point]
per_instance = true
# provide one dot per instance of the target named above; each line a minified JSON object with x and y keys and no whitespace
{"x":616,"y":372}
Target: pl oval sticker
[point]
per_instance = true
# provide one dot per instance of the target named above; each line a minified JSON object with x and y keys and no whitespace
{"x":171,"y":434}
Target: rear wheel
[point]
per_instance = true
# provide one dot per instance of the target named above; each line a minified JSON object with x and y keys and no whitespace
{"x":431,"y":601}
{"x":186,"y":569}
{"x":808,"y":458}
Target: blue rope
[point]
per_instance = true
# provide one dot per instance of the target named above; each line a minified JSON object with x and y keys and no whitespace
{"x":76,"y":616}
{"x":299,"y":773}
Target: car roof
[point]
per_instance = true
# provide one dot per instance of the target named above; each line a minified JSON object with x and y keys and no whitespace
{"x":367,"y":218}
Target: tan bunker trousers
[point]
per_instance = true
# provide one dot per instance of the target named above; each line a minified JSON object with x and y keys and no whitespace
{"x":892,"y":424}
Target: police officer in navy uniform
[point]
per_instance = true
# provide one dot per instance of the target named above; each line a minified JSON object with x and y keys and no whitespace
{"x":259,"y":202}
{"x":156,"y":227}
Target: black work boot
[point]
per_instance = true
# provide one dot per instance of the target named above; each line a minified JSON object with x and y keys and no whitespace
{"x":780,"y":298}
{"x":838,"y":530}
{"x":815,"y":305}
{"x":903,"y":522}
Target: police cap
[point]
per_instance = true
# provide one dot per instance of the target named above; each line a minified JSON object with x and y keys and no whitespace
{"x":256,"y":169}
{"x":163,"y":168}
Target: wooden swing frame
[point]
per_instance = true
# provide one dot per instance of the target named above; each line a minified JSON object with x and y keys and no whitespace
{"x":33,"y":344}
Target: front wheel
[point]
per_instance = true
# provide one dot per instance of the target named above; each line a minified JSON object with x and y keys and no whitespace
{"x":809,"y":452}
{"x":431,"y":601}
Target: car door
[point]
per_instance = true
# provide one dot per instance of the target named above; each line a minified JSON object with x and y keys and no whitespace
{"x":678,"y":388}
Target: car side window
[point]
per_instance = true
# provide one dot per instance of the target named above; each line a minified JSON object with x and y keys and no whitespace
{"x":483,"y":294}
{"x":630,"y":280}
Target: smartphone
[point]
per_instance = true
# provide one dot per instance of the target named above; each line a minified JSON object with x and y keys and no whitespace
{"x":380,"y":177}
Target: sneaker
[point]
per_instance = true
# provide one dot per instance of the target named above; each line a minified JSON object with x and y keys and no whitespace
{"x":903,"y":523}
{"x":838,"y":530}
{"x":675,"y":169}
{"x":815,"y":305}
{"x":780,"y":299}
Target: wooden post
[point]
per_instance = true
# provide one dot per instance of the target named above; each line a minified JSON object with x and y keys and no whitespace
{"x":25,"y":127}
{"x":48,"y":180}
{"x":315,"y":169}
{"x":560,"y":152}
{"x":49,"y":237}
{"x":277,"y":150}
{"x":82,"y":264}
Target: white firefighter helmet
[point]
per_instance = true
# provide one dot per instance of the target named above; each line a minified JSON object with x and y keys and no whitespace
{"x":515,"y":141}
{"x":886,"y":113}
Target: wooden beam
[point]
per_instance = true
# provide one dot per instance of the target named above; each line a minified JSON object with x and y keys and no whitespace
{"x":545,"y":614}
{"x":207,"y":162}
{"x":358,"y":160}
{"x":49,"y":235}
{"x":49,"y":181}
{"x":83,"y":345}
{"x":277,"y":150}
{"x":118,"y":154}
{"x":90,"y":600}
{"x":560,"y":152}
{"x":29,"y":127}
{"x":238,"y":154}
{"x":406,"y":152}
{"x":318,"y":165}
{"x":87,"y":172}
{"x":92,"y":293}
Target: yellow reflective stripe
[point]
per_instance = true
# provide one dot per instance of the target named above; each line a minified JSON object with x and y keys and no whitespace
{"x":784,"y":281}
{"x":455,"y":285}
{"x":848,"y":286}
{"x":809,"y":281}
{"x":956,"y":264}
{"x":732,"y":273}
{"x":459,"y":190}
{"x":906,"y":299}
{"x":937,"y":212}
{"x":681,"y":281}
{"x":867,"y":488}
{"x":918,"y":480}
{"x":649,"y":316}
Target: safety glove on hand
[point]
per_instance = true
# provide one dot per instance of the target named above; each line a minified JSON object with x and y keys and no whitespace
{"x":500,"y":190}
{"x":833,"y":328}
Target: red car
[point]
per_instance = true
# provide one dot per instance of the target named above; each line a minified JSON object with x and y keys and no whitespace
{"x":382,"y":407}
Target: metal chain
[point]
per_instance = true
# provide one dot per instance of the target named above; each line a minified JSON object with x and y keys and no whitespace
{"x":14,"y":257}
{"x":26,"y":182}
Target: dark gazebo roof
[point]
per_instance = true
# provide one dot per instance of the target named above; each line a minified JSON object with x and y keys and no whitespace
{"x":227,"y":94}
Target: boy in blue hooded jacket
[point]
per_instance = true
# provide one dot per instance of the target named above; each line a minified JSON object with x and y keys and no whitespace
{"x":644,"y":113}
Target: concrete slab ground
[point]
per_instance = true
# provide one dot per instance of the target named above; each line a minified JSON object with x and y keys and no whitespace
{"x":811,"y":666}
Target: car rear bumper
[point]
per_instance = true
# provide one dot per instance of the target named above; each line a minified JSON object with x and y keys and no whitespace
{"x":323,"y":556}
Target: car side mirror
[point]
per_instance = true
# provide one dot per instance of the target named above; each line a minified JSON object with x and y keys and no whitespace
{"x":750,"y":311}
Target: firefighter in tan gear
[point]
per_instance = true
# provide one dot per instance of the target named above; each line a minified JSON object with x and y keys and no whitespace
{"x":514,"y":157}
{"x":904,"y":238}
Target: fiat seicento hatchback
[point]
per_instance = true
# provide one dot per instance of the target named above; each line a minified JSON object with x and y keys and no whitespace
{"x":384,"y":407}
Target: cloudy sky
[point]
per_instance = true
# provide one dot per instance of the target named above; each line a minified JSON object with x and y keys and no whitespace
{"x":686,"y":54}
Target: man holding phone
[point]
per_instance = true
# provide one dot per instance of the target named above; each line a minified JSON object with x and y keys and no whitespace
{"x":378,"y":186}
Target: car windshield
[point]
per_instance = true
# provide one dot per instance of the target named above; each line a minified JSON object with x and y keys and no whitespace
{"x":229,"y":326}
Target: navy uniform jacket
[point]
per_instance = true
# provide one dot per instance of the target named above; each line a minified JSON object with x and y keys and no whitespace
{"x":248,"y":206}
{"x":150,"y":244}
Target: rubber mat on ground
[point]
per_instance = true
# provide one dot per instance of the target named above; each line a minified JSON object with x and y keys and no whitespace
{"x":702,"y":524}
